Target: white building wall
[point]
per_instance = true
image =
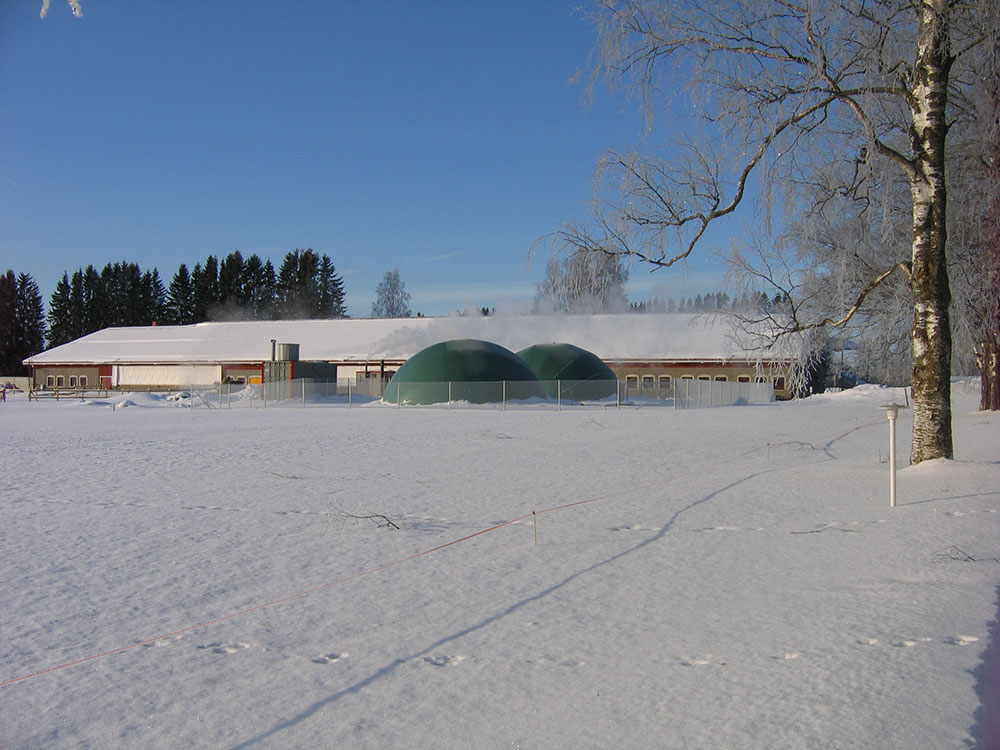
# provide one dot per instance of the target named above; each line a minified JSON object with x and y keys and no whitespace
{"x":180,"y":376}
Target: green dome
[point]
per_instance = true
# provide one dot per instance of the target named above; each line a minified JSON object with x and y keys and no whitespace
{"x":476,"y":371}
{"x":584,"y":376}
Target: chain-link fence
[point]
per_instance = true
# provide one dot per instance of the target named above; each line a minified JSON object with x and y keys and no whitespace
{"x":501,"y":394}
{"x":308,"y":393}
{"x":700,"y":394}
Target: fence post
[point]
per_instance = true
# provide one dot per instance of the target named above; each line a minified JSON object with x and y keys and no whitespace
{"x":503,"y":395}
{"x":558,"y":395}
{"x":449,"y":395}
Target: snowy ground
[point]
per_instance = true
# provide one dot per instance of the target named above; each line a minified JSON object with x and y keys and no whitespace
{"x":177,"y":577}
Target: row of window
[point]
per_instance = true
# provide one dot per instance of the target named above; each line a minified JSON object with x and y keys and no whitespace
{"x":649,"y":382}
{"x":58,"y":381}
{"x":665,"y":382}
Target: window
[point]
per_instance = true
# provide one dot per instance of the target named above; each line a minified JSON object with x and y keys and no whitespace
{"x":647,"y":382}
{"x":704,"y":377}
{"x":743,"y":379}
{"x":49,"y":381}
{"x":761,"y":380}
{"x":665,"y":382}
{"x":779,"y":384}
{"x":722,"y":378}
{"x":60,"y":381}
{"x":83,"y":381}
{"x":631,"y":384}
{"x":72,"y":381}
{"x":687,"y":377}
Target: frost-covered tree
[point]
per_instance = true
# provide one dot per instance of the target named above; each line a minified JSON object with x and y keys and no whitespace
{"x":391,"y":298}
{"x":974,"y":218}
{"x":582,"y":282}
{"x":781,"y":89}
{"x":74,"y":6}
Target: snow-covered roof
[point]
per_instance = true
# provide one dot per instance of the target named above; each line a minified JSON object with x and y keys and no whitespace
{"x":611,"y":337}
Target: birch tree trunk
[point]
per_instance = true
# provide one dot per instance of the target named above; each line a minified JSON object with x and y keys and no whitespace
{"x":989,"y":373}
{"x":931,"y":294}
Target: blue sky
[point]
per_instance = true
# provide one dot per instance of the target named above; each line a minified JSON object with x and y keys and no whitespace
{"x":442,"y":138}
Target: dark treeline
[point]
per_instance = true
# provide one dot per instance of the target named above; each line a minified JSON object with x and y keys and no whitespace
{"x":237,"y":288}
{"x":713,"y":301}
{"x":22,"y":322}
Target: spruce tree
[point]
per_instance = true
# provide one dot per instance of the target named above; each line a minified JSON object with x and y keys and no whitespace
{"x":298,"y":289}
{"x":61,"y":322}
{"x":94,"y":306}
{"x":206,"y":289}
{"x":232,"y":282}
{"x":76,"y":304}
{"x":259,"y":287}
{"x":153,"y":298}
{"x":331,"y":291}
{"x":22,"y":322}
{"x":29,"y":319}
{"x":180,"y":298}
{"x":8,"y":302}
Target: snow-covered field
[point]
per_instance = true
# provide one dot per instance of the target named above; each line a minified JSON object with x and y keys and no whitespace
{"x":176,"y":577}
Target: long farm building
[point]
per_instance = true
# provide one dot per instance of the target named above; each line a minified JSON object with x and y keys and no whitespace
{"x":647,"y":352}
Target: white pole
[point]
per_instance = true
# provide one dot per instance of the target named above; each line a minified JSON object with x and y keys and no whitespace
{"x":892,"y":458}
{"x":891,"y":410}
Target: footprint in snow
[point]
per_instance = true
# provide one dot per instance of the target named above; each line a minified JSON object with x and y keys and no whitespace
{"x":443,"y":661}
{"x":909,"y":642}
{"x":697,"y":662}
{"x":329,"y":658}
{"x":713,"y":529}
{"x":633,"y":527}
{"x":961,"y":640}
{"x":219,"y":648}
{"x":160,"y":642}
